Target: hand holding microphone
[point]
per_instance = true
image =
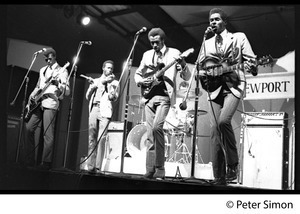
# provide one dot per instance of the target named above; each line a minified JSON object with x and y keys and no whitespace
{"x":209,"y":29}
{"x":109,"y":78}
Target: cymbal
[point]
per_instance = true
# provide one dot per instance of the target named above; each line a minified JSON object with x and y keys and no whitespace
{"x":199,"y":112}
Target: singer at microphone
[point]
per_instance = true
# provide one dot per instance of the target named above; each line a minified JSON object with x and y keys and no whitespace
{"x":158,"y":97}
{"x":224,"y":92}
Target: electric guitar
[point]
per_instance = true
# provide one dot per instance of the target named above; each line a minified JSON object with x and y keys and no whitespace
{"x":35,"y":100}
{"x":158,"y":71}
{"x":217,"y":70}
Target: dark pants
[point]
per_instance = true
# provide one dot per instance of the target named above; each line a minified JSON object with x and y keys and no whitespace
{"x":156,"y":111}
{"x":221,"y":111}
{"x":49,"y":117}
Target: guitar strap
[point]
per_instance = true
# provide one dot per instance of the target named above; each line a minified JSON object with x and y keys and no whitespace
{"x":44,"y":73}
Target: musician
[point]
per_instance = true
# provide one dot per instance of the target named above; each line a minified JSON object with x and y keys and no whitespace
{"x":102,"y":92}
{"x":47,"y":109}
{"x":163,"y":95}
{"x":224,"y":92}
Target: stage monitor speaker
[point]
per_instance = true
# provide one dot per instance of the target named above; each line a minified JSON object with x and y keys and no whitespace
{"x":113,"y":148}
{"x":265,"y":150}
{"x":13,"y":125}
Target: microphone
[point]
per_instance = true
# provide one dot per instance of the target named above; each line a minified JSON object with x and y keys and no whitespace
{"x":210,"y":29}
{"x":141,"y":30}
{"x":86,"y":42}
{"x":40,"y":51}
{"x":182,"y":105}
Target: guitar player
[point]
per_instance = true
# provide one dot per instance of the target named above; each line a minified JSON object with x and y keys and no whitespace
{"x":224,"y":91}
{"x":47,"y":108}
{"x":162,"y":96}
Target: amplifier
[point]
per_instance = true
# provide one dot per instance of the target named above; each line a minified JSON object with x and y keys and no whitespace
{"x":13,"y":126}
{"x":265,"y":150}
{"x":265,"y":118}
{"x":116,"y":126}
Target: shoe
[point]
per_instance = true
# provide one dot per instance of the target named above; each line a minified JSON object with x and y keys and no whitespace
{"x":93,"y":171}
{"x":159,"y":173}
{"x":219,"y":181}
{"x":44,"y":166}
{"x":28,"y":165}
{"x":231,"y":173}
{"x":149,"y":175}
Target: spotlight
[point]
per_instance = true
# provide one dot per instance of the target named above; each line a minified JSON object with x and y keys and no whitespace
{"x":83,"y":19}
{"x":74,"y":59}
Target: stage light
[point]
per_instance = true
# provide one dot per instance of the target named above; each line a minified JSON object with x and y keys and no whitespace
{"x":83,"y":19}
{"x":74,"y":59}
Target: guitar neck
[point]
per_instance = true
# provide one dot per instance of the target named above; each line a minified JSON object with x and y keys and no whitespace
{"x":231,"y":68}
{"x":163,"y":70}
{"x":48,"y":82}
{"x":40,"y":94}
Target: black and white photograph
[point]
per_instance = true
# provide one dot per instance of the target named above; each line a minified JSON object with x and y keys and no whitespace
{"x":149,"y":98}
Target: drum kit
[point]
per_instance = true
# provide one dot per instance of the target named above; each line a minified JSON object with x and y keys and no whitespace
{"x":178,"y":129}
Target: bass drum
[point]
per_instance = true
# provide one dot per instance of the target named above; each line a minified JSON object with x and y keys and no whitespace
{"x":137,"y":141}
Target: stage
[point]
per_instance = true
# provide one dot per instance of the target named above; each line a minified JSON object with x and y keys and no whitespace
{"x":15,"y":178}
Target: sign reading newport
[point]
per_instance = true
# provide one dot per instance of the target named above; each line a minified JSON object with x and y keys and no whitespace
{"x":270,"y":86}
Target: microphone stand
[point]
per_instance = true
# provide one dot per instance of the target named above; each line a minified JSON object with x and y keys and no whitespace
{"x":127,"y":64}
{"x":26,"y":78}
{"x":74,"y":68}
{"x":183,"y":107}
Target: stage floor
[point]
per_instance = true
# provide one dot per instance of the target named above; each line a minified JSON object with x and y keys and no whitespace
{"x":18,"y":179}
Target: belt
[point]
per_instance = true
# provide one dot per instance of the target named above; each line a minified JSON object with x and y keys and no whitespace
{"x":96,"y":104}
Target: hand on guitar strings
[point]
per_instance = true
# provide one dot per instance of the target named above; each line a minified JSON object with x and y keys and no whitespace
{"x":147,"y":81}
{"x":54,"y":82}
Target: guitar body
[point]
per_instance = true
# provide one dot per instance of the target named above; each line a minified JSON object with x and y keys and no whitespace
{"x":35,"y":101}
{"x":221,"y":73}
{"x":211,"y":83}
{"x":147,"y":91}
{"x":29,"y":111}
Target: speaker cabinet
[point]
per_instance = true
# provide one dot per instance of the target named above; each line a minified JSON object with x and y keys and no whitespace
{"x":113,"y":147}
{"x":265,"y":153}
{"x":13,"y":126}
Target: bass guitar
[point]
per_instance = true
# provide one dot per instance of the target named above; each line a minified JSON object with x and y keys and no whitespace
{"x":158,"y":72}
{"x":217,"y":69}
{"x":35,"y":100}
